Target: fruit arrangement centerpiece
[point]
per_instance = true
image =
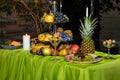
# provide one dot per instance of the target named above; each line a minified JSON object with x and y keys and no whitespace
{"x":72,"y":52}
{"x":54,"y":39}
{"x":55,"y":42}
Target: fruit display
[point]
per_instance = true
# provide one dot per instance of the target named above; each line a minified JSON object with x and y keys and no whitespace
{"x":65,"y":35}
{"x":83,"y":58}
{"x":46,"y":50}
{"x":11,"y":44}
{"x":109,"y":43}
{"x":62,"y":49}
{"x":57,"y":17}
{"x":86,"y":31}
{"x":60,"y":36}
{"x":44,"y":40}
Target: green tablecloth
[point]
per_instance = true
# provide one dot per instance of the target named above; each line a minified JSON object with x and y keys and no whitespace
{"x":21,"y":65}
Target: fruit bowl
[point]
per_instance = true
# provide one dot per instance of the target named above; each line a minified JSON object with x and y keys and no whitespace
{"x":74,"y":58}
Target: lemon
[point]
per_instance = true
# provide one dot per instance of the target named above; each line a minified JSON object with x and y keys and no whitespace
{"x":49,"y":18}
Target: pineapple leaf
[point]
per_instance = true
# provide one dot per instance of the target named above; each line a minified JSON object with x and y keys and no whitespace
{"x":87,"y":27}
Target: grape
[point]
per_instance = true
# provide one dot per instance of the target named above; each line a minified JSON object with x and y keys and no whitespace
{"x":60,"y":18}
{"x":82,"y":55}
{"x":65,"y":37}
{"x":88,"y":57}
{"x":39,"y":52}
{"x":77,"y":58}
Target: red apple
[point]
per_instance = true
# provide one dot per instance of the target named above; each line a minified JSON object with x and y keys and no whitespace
{"x":46,"y":51}
{"x":75,"y":48}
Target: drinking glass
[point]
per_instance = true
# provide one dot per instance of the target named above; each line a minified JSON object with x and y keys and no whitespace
{"x":55,"y":41}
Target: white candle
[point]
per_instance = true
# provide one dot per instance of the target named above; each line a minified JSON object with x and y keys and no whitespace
{"x":26,"y":42}
{"x":60,"y":5}
{"x":86,"y":11}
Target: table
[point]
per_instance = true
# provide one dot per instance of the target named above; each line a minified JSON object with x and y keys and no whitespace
{"x":22,"y":65}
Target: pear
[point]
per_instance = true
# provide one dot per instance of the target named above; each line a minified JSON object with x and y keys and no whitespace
{"x":63,"y":52}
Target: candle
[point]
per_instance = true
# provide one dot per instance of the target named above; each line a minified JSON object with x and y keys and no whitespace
{"x":60,"y":6}
{"x":86,"y":11}
{"x":26,"y":42}
{"x":54,"y":7}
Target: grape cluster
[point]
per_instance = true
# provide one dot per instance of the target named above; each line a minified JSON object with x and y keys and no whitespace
{"x":60,"y":18}
{"x":65,"y":37}
{"x":88,"y":58}
{"x":39,"y":52}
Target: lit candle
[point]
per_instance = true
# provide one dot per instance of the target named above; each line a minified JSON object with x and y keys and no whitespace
{"x":86,"y":11}
{"x":26,"y":42}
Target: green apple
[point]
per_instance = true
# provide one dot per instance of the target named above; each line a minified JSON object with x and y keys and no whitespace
{"x":46,"y":51}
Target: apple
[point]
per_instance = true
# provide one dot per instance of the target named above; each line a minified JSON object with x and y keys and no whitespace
{"x":75,"y":48}
{"x":46,"y":51}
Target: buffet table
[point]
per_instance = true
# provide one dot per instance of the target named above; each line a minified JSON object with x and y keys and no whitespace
{"x":22,"y":65}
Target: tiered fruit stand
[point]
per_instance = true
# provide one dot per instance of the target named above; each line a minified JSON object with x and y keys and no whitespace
{"x":54,"y":17}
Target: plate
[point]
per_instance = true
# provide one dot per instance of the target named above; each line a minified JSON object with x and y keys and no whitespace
{"x":10,"y":47}
{"x":71,"y":58}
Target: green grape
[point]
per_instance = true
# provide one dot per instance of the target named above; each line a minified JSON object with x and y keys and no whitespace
{"x":88,"y":57}
{"x":77,"y":58}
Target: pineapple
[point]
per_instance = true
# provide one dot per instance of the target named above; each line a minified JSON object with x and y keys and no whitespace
{"x":86,"y":31}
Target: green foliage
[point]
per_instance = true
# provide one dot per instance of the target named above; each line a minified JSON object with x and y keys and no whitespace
{"x":87,"y":27}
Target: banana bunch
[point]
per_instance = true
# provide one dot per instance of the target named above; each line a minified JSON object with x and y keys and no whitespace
{"x":44,"y":37}
{"x":48,"y":17}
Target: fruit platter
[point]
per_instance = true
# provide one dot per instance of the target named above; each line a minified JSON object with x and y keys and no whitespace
{"x":11,"y":44}
{"x":82,"y":58}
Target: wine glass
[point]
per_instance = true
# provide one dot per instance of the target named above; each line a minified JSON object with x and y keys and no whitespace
{"x":55,"y":41}
{"x":109,"y":43}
